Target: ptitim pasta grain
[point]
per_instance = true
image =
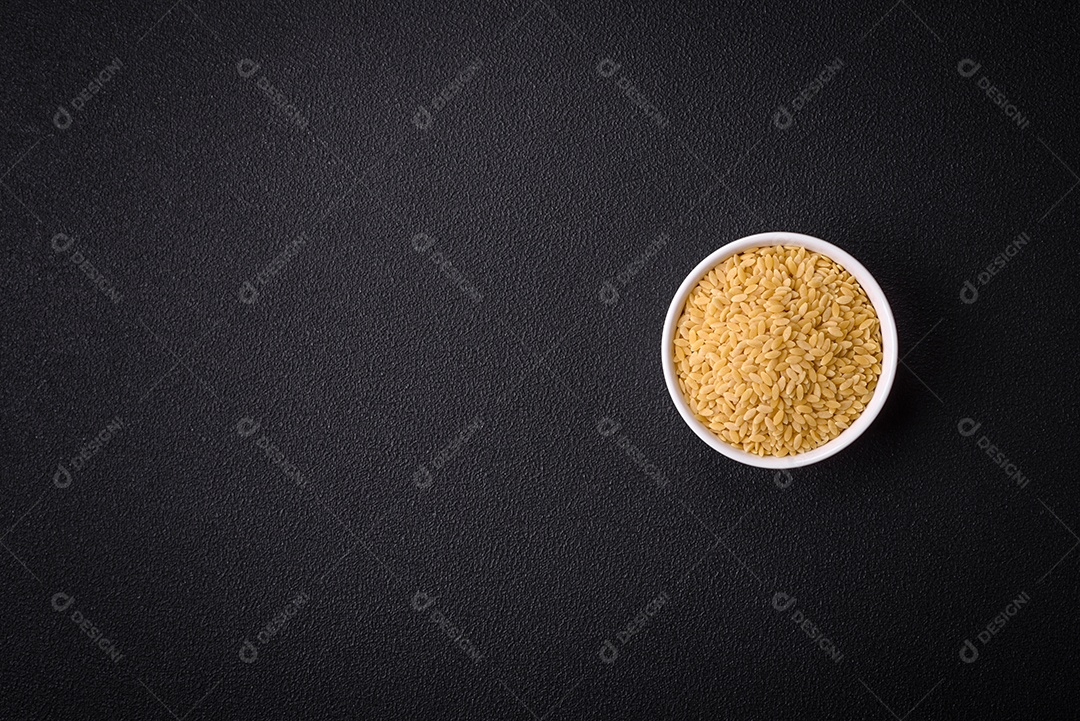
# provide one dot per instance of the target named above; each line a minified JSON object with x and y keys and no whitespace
{"x":777,"y":350}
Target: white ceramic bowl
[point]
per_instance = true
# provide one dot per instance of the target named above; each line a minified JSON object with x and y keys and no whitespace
{"x":888,"y":342}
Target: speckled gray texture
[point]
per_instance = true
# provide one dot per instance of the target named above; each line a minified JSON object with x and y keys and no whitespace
{"x":332,"y":385}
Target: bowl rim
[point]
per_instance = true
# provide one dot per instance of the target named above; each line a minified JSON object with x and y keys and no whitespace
{"x":889,"y":361}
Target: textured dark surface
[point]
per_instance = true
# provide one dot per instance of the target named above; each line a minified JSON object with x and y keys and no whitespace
{"x":364,"y":363}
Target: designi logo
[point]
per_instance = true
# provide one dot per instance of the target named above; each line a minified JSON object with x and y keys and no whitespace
{"x":247,"y":426}
{"x":247,"y":67}
{"x":782,"y":601}
{"x":782,"y":118}
{"x":609,"y":294}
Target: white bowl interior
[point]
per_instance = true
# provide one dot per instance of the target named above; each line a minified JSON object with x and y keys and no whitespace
{"x":889,"y":351}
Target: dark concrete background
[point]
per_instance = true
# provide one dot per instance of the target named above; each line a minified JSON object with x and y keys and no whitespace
{"x":383,"y":480}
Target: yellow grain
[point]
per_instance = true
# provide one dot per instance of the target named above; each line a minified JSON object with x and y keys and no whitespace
{"x":777,"y":350}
